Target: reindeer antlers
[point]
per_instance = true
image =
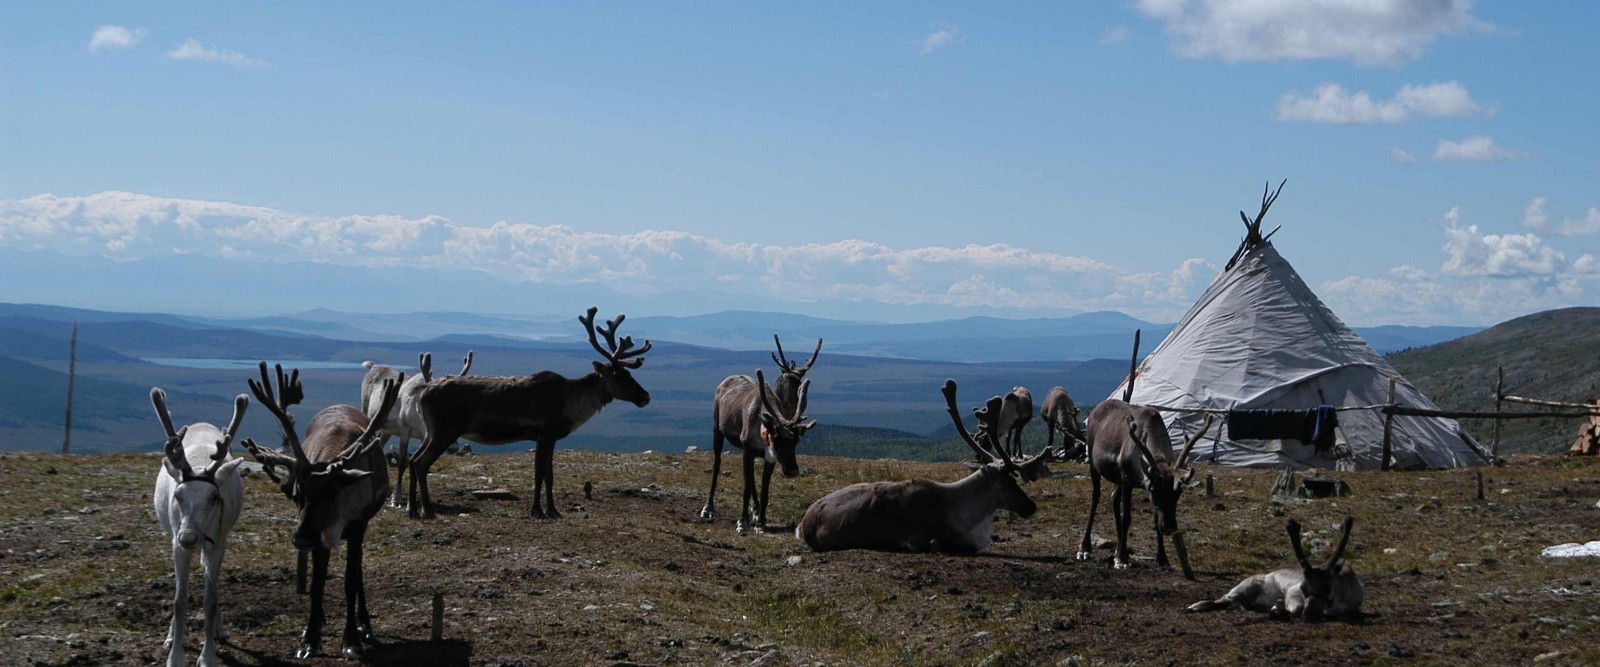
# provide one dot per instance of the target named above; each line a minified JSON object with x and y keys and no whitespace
{"x":985,"y":416}
{"x":1205,"y":425}
{"x":174,"y":445}
{"x":368,"y":438}
{"x":619,"y":354}
{"x":790,"y":366}
{"x":1338,"y":551}
{"x":466,"y":364}
{"x":289,"y":393}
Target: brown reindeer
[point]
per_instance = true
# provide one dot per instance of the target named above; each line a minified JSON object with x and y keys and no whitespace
{"x":743,"y":414}
{"x":1060,"y":415}
{"x":544,"y":407}
{"x":1129,"y":445}
{"x":338,"y":480}
{"x":1016,"y":410}
{"x":1331,"y":590}
{"x":922,"y":515}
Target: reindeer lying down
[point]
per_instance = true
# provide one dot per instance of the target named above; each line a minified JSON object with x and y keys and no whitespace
{"x":1312,"y":592}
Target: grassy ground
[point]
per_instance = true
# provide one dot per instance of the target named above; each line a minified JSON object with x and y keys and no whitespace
{"x":631,"y":577}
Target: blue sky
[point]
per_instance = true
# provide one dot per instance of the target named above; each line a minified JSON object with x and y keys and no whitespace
{"x":1442,"y":156}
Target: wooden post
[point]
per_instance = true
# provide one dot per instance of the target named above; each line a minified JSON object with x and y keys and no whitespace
{"x":438,"y":616}
{"x":1478,"y":475}
{"x":1499,"y":398}
{"x":1133,"y":367}
{"x":72,"y":376}
{"x":1388,"y":427}
{"x":1211,"y":486}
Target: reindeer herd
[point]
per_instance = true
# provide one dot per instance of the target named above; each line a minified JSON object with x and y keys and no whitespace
{"x":337,"y":477}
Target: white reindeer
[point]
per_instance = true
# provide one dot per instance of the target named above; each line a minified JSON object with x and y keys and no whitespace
{"x":198,"y":510}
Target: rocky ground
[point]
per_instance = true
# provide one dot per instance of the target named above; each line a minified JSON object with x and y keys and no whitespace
{"x":631,"y":576}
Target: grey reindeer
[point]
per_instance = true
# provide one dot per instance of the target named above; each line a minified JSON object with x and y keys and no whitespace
{"x":1331,"y":590}
{"x":1060,"y":415}
{"x":923,"y":515}
{"x":1130,"y":446}
{"x":743,"y":413}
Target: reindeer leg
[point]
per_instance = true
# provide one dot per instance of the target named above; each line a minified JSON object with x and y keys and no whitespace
{"x":180,"y":603}
{"x":761,"y":507}
{"x":544,"y":472}
{"x":311,"y":639}
{"x":354,"y":639}
{"x":710,"y":510}
{"x":745,"y":519}
{"x":421,"y":502}
{"x":1123,"y":506}
{"x":1085,"y":549}
{"x":1161,"y":542}
{"x":401,"y":461}
{"x":212,"y":555}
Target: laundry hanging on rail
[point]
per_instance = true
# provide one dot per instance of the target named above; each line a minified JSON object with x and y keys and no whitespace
{"x":1312,"y":427}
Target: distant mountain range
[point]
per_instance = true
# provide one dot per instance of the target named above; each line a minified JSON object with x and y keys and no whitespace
{"x":870,"y":375}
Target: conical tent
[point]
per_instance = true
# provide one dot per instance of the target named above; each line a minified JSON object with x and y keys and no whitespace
{"x":1260,"y":339}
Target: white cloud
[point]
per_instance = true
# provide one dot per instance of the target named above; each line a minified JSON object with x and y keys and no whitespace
{"x":1402,"y":156}
{"x":1331,"y":103}
{"x":944,"y":36}
{"x":1364,"y":32}
{"x":1115,"y":35}
{"x":125,"y":226}
{"x":1484,"y":277}
{"x":114,"y":37}
{"x":1534,"y":217}
{"x":192,"y":49}
{"x":1473,"y":149}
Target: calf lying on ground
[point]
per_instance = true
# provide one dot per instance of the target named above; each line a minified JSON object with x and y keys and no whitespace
{"x":1313,"y":592}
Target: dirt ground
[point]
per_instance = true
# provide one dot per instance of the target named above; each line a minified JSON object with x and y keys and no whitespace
{"x":632,"y":577}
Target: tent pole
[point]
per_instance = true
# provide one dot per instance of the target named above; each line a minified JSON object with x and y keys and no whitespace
{"x":1388,"y":426}
{"x":1133,"y":367}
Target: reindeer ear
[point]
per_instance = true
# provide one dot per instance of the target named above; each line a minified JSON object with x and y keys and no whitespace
{"x":600,"y":368}
{"x":1187,"y":474}
{"x":352,"y":476}
{"x":231,"y":467}
{"x":172,"y":469}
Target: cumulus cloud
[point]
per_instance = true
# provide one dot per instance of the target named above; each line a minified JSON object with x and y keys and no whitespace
{"x":1331,"y":103}
{"x":1364,"y":32}
{"x":1402,"y":156}
{"x":192,"y":49}
{"x":1481,"y":148}
{"x":1484,"y":277}
{"x":1534,"y":217}
{"x":109,"y":37}
{"x":126,"y":226}
{"x":943,"y":36}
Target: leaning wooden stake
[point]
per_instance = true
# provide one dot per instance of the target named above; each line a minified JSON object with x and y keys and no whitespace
{"x":1478,"y":475}
{"x":1388,"y":427}
{"x":438,"y":616}
{"x":1211,"y":486}
{"x":72,"y":375}
{"x":1133,"y":367}
{"x":1499,"y":399}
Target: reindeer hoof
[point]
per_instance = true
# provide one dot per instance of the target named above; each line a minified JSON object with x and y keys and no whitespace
{"x":1164,"y":567}
{"x":1121,"y":565}
{"x":355,"y":652}
{"x":307,"y":652}
{"x":1084,"y":555}
{"x":741,"y":526}
{"x":707,"y":513}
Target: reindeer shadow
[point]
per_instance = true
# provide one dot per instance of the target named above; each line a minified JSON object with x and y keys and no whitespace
{"x":449,"y":653}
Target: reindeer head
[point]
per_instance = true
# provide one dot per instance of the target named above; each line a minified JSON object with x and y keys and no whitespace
{"x":1164,"y":479}
{"x":782,"y":432}
{"x":620,"y":358}
{"x":1005,"y":473}
{"x":791,"y":373}
{"x":1319,"y":580}
{"x":1076,"y":437}
{"x":314,"y":486}
{"x":197,"y":496}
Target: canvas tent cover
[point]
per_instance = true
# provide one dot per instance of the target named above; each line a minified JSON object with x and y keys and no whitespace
{"x":1259,"y":338}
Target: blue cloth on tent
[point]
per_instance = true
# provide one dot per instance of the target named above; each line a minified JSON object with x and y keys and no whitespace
{"x":1311,"y":427}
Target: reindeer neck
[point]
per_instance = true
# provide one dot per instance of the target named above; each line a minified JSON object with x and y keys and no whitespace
{"x":586,"y":396}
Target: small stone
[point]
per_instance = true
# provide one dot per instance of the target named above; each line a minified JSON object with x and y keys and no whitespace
{"x":591,"y":607}
{"x":1391,"y":551}
{"x":1543,"y":657}
{"x":953,"y":590}
{"x":1522,"y":633}
{"x":765,"y":659}
{"x":993,"y":659}
{"x":1398,"y":651}
{"x":648,"y":452}
{"x":690,"y":449}
{"x":793,"y":561}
